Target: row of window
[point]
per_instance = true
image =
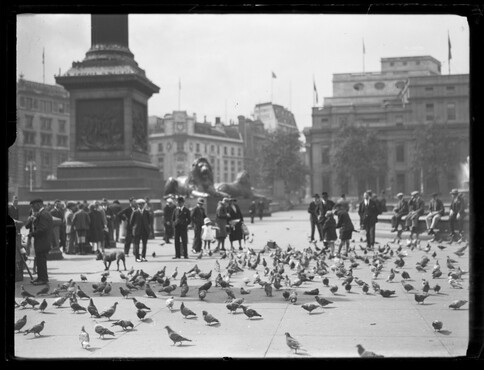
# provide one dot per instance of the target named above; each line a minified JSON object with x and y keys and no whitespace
{"x":45,"y":123}
{"x":45,"y":139}
{"x":180,"y":147}
{"x":46,"y":106}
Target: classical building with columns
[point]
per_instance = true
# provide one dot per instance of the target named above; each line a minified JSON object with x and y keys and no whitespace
{"x":407,"y":94}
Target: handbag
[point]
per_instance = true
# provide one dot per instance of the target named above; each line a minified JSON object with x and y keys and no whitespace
{"x":245,"y":230}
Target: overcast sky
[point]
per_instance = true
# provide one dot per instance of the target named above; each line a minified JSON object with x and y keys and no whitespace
{"x":225,"y":62}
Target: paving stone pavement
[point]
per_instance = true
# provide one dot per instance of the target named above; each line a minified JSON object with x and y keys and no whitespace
{"x":392,"y":327}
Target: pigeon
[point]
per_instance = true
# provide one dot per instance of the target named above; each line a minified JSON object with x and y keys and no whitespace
{"x":243,"y":291}
{"x":230,"y":293}
{"x":407,"y":287}
{"x":310,"y":307}
{"x":312,"y":292}
{"x":130,"y":286}
{"x":32,"y":302}
{"x":168,"y":289}
{"x":348,"y":287}
{"x":436,"y":288}
{"x":184,"y":290}
{"x":102,"y":331}
{"x":292,"y":343}
{"x":420,"y":268}
{"x":140,"y":305}
{"x":286,"y":294}
{"x":209,"y":319}
{"x":59,"y":301}
{"x":25,"y":293}
{"x":205,"y":286}
{"x":169,"y":303}
{"x":325,"y":281}
{"x":250,"y":313}
{"x":455,"y":284}
{"x":141,"y":314}
{"x":107,"y":289}
{"x":365,"y":288}
{"x":185,"y":311}
{"x":84,"y":338}
{"x":425,"y":286}
{"x":109,"y":312}
{"x":293,"y":297}
{"x":441,"y":247}
{"x":83,"y":277}
{"x":36,"y":329}
{"x":124,"y":324}
{"x":268,"y":289}
{"x":405,"y":275}
{"x":436,"y":274}
{"x":43,"y":291}
{"x":91,"y":308}
{"x":457,"y":304}
{"x":364,"y":353}
{"x":149,"y":292}
{"x":202,"y":294}
{"x":232,"y":307}
{"x":333,"y":289}
{"x":437,"y":325}
{"x":124,"y":292}
{"x":81,"y":294}
{"x":76,"y":307}
{"x":386,"y":293}
{"x":205,"y":276}
{"x":175,"y":273}
{"x":176,"y":338}
{"x":20,"y":323}
{"x":391,"y":276}
{"x":420,"y":298}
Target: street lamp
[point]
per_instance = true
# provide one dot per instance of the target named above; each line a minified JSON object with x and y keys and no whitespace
{"x":31,"y":167}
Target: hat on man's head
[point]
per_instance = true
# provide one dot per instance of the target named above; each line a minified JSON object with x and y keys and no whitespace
{"x":131,"y":199}
{"x":116,"y":201}
{"x":104,"y":200}
{"x":329,"y":213}
{"x":180,"y":199}
{"x":316,"y":196}
{"x":399,"y":195}
{"x":70,"y":204}
{"x":57,"y":201}
{"x":206,"y":220}
{"x":201,"y":201}
{"x":324,"y":193}
{"x":38,"y":200}
{"x":435,"y":194}
{"x":413,"y":193}
{"x":141,"y":201}
{"x":454,"y":191}
{"x":169,"y":200}
{"x":225,"y":199}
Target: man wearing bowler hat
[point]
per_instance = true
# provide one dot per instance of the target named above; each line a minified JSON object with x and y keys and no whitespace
{"x":456,"y":213}
{"x":41,"y":229}
{"x":197,"y":215}
{"x":181,"y":220}
{"x":436,"y":211}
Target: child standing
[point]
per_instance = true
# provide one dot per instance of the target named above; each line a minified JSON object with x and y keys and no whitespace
{"x":329,"y":232}
{"x":346,"y":229}
{"x":208,"y":233}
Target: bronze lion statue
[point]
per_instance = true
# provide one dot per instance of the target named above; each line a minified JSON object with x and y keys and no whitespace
{"x":199,"y":182}
{"x":240,"y":188}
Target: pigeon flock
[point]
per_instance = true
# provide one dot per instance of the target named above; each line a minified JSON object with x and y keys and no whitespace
{"x":307,"y":277}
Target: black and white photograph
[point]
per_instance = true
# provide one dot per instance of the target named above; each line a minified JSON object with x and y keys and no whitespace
{"x":241,"y":185}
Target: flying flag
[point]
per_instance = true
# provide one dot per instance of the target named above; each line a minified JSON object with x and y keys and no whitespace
{"x":315,"y":91}
{"x":274,"y":75}
{"x":450,"y":47}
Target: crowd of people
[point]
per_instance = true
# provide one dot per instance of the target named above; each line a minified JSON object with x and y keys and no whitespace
{"x":405,"y":215}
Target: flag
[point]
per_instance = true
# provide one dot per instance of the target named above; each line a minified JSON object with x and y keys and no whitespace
{"x":315,"y":91}
{"x":450,"y":47}
{"x":274,"y":75}
{"x":364,"y":52}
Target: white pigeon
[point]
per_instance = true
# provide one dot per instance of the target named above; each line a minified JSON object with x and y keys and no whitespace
{"x":169,"y":303}
{"x":84,"y":338}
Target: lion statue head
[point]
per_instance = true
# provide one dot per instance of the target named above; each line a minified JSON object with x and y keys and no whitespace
{"x":201,"y":175}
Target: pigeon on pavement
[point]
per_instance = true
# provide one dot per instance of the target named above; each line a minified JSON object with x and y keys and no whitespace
{"x":20,"y":323}
{"x":209,"y":319}
{"x":124,"y":292}
{"x":76,"y":307}
{"x":364,"y":353}
{"x":102,"y":331}
{"x":333,"y":289}
{"x":36,"y":329}
{"x":109,"y":312}
{"x":84,"y":338}
{"x":140,"y":305}
{"x":83,"y":277}
{"x":91,"y":308}
{"x":59,"y":301}
{"x":81,"y":294}
{"x":205,"y":286}
{"x":176,"y":338}
{"x":310,"y":307}
{"x":457,"y":304}
{"x":292,"y":343}
{"x":385,"y":293}
{"x":149,"y":292}
{"x":437,"y":325}
{"x":250,"y":313}
{"x":43,"y":291}
{"x":169,"y":303}
{"x":185,"y":311}
{"x":202,"y":294}
{"x":312,"y":292}
{"x":184,"y":290}
{"x":420,"y":298}
{"x":141,"y":314}
{"x":123,"y":324}
{"x":322,"y":301}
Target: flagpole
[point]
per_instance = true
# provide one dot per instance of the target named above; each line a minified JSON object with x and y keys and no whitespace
{"x":364,"y":55}
{"x":314,"y":94}
{"x":290,"y":95}
{"x":179,"y":92}
{"x":272,"y":87}
{"x":43,"y":65}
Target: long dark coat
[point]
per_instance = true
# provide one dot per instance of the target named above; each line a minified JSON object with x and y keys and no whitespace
{"x":329,"y":229}
{"x":236,"y":232}
{"x":345,"y":225}
{"x":42,"y":231}
{"x":221,"y":219}
{"x":96,"y":227}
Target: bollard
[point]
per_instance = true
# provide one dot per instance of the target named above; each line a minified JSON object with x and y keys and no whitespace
{"x":159,"y":228}
{"x":122,"y":231}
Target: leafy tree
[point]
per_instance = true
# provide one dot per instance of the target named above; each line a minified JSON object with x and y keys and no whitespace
{"x":357,"y":152}
{"x":435,"y":151}
{"x":282,"y":160}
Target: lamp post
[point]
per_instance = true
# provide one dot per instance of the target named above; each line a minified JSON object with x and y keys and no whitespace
{"x":31,"y":167}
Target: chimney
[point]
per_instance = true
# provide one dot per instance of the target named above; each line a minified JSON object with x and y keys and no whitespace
{"x":217,"y":120}
{"x":204,"y":119}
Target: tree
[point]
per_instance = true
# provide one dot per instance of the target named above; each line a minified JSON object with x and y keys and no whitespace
{"x":281,"y":160}
{"x":435,"y":153}
{"x":357,"y":152}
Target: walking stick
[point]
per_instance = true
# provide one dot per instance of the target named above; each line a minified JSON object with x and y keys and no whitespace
{"x":25,"y":264}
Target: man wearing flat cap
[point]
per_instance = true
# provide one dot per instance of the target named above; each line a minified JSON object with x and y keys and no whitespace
{"x":125,"y":215}
{"x":41,"y":229}
{"x":197,"y":215}
{"x":181,"y":220}
{"x":436,"y":211}
{"x":416,"y":207}
{"x":368,"y":212}
{"x":167,"y":220}
{"x":140,"y":223}
{"x":313,"y":211}
{"x":456,"y":213}
{"x":399,"y":211}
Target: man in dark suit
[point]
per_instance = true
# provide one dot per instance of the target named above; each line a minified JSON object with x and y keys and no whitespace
{"x":167,"y":217}
{"x":368,"y":212}
{"x":436,"y":211}
{"x":114,"y":210}
{"x":41,"y":230}
{"x":416,"y":207}
{"x":197,"y":215}
{"x":313,"y":211}
{"x":181,"y":220}
{"x":325,"y":206}
{"x":400,"y":210}
{"x":140,"y":223}
{"x":456,"y":213}
{"x":125,"y":215}
{"x":58,"y":212}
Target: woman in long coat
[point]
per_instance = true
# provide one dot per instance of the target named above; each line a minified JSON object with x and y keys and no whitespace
{"x":236,"y":232}
{"x":221,"y":219}
{"x":96,"y":228}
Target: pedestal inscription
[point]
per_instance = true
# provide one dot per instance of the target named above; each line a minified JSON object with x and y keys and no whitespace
{"x":140,"y":132}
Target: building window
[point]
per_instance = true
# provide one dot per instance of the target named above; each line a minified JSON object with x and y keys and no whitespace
{"x":46,"y":139}
{"x":62,"y":125}
{"x":399,"y":120}
{"x":429,"y":111}
{"x":179,"y":146}
{"x":218,"y":149}
{"x":226,"y":177}
{"x":45,"y":123}
{"x":206,"y":148}
{"x":29,"y":137}
{"x":61,"y":107}
{"x":232,"y":151}
{"x":197,"y":148}
{"x":451,"y":116}
{"x":325,"y":155}
{"x":400,"y":183}
{"x":46,"y":159}
{"x":324,"y":121}
{"x":22,"y":102}
{"x":404,"y":63}
{"x":212,"y":148}
{"x":429,"y":89}
{"x":358,"y":86}
{"x":225,"y":150}
{"x":392,"y":64}
{"x":226,"y":165}
{"x":28,"y":103}
{"x":233,"y":177}
{"x":29,"y":121}
{"x":400,"y":84}
{"x":326,"y":183}
{"x":161,"y":161}
{"x":400,"y":153}
{"x":239,"y":152}
{"x":450,"y":89}
{"x":62,"y":140}
{"x":379,"y":86}
{"x":417,"y":62}
{"x":160,"y":147}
